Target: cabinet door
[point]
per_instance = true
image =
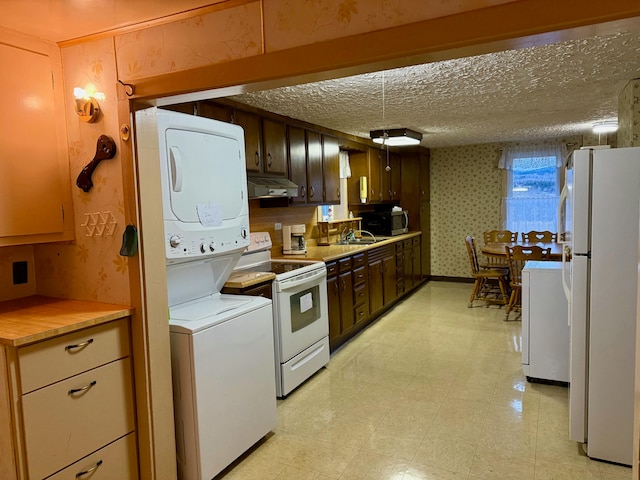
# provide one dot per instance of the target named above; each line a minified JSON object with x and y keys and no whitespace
{"x":376,"y":299}
{"x":31,"y":189}
{"x":214,"y":110}
{"x":346,"y":301}
{"x":251,"y":124}
{"x":314,"y":167}
{"x":386,"y":190}
{"x":396,"y":177}
{"x":331,"y":170}
{"x":417,"y":262}
{"x":297,"y":162}
{"x":275,"y":147}
{"x":389,"y":278}
{"x":375,"y":157}
{"x":408,"y":266}
{"x":333,"y":300}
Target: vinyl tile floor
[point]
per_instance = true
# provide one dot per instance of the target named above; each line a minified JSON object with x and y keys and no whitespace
{"x":431,"y":390}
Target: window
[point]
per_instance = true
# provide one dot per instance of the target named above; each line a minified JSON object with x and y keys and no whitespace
{"x":532,"y":188}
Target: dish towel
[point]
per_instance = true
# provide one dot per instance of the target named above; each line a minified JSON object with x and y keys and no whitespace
{"x":345,"y":168}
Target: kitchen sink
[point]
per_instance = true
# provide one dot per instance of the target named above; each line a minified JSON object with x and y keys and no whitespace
{"x":357,"y":241}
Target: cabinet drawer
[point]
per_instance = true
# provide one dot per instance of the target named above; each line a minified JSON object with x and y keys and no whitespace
{"x":344,"y":264}
{"x":61,"y":427}
{"x":359,"y":275}
{"x":332,"y":269}
{"x":361,"y":295}
{"x":50,"y":361}
{"x":116,"y":460}
{"x":361,"y":312}
{"x":359,"y":260}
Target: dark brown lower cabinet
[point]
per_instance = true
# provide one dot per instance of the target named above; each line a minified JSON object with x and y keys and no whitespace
{"x":363,"y":285}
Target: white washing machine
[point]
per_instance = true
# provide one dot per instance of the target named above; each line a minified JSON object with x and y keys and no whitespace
{"x":223,"y":380}
{"x":222,"y":348}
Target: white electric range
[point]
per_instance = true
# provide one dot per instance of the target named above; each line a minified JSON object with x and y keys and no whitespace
{"x":300,"y":312}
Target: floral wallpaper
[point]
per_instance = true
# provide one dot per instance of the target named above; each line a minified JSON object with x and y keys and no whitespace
{"x":466,"y":192}
{"x":90,"y":268}
{"x":629,"y":115}
{"x":466,"y":197}
{"x":215,"y":37}
{"x":328,"y":19}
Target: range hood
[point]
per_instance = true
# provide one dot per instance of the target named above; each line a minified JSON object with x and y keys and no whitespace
{"x":269,"y":187}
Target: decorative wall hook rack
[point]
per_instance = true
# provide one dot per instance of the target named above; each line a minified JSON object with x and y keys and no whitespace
{"x":105,"y":150}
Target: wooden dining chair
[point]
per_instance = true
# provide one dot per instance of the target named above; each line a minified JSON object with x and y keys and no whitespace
{"x":500,"y":236}
{"x":535,"y":236}
{"x":483,"y":288}
{"x":517,"y":256}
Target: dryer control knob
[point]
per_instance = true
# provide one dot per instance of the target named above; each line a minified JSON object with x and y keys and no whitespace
{"x":244,"y":233}
{"x":203,"y":247}
{"x":174,"y":241}
{"x":212,"y":246}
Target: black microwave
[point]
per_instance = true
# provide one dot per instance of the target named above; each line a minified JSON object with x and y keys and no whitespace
{"x":386,"y":223}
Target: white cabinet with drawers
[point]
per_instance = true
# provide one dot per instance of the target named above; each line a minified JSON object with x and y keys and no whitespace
{"x":72,"y":406}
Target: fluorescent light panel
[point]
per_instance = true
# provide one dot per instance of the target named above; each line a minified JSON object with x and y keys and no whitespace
{"x":396,"y":137}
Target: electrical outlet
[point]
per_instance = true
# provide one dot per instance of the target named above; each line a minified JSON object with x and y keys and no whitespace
{"x":20,"y":274}
{"x":278,"y":226}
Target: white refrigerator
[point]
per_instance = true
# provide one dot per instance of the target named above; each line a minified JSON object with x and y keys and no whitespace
{"x":601,"y":201}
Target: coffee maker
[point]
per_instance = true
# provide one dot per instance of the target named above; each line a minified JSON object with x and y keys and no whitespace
{"x":293,"y":242}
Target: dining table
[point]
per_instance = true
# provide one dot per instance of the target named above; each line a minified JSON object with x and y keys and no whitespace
{"x":498,"y":250}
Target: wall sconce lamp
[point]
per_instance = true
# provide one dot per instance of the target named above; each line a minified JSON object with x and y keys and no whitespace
{"x":605,"y":127}
{"x":87,"y":107}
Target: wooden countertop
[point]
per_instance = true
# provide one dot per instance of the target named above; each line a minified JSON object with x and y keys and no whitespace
{"x":30,"y":319}
{"x":241,"y":279}
{"x":333,"y":252}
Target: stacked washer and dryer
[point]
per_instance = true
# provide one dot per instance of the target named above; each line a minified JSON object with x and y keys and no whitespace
{"x":222,"y":346}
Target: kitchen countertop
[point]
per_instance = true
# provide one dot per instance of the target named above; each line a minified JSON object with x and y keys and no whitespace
{"x":31,"y":319}
{"x":246,"y":279}
{"x":333,"y":252}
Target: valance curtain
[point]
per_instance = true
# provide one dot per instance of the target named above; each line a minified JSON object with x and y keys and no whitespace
{"x":531,"y":211}
{"x":532,"y":152}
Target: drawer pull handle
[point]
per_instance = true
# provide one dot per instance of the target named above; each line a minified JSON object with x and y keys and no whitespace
{"x":78,"y":345}
{"x":89,"y":470}
{"x":82,"y":389}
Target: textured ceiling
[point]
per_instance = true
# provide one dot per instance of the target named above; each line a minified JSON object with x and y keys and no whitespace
{"x":535,"y":93}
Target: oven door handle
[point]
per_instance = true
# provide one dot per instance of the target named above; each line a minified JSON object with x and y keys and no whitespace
{"x":310,"y":279}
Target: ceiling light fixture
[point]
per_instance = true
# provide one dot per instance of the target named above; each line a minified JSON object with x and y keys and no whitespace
{"x":393,"y":137}
{"x":605,"y":127}
{"x":396,"y":137}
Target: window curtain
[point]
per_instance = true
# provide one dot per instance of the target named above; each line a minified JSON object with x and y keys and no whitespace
{"x":533,"y":151}
{"x":525,"y":213}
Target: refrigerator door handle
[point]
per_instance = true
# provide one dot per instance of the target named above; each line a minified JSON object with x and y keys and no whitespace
{"x":565,"y":287}
{"x":561,"y":219}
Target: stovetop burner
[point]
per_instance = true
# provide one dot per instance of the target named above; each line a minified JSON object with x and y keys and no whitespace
{"x":258,"y":259}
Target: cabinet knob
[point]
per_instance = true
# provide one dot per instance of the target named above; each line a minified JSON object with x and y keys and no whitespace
{"x":257,"y":158}
{"x":269,"y":159}
{"x":338,"y":192}
{"x":311,"y":192}
{"x":303,"y":191}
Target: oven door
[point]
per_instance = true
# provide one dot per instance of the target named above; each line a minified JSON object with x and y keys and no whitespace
{"x":300,"y":312}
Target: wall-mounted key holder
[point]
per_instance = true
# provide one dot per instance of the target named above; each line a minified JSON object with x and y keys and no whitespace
{"x":105,"y":150}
